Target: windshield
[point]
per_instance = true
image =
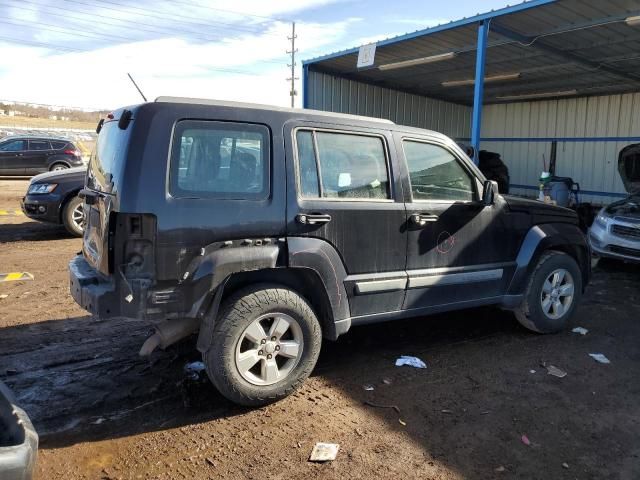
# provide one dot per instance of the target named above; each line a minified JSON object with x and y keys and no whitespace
{"x":108,"y":158}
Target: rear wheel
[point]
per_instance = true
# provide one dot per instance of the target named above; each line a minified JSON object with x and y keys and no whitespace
{"x":553,"y":293}
{"x":56,"y":167}
{"x":266,"y":342}
{"x":73,"y":216}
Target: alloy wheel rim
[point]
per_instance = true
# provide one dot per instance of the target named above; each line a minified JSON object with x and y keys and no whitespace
{"x":77,"y":216}
{"x":557,"y":293}
{"x":269,"y":349}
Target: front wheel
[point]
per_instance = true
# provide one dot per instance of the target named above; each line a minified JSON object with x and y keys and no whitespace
{"x":73,"y":216}
{"x":554,"y":290}
{"x":266,"y":342}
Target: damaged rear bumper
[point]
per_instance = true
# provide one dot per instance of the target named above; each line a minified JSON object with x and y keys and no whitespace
{"x":91,"y":291}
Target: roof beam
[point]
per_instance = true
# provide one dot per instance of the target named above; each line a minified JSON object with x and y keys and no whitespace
{"x":535,"y":42}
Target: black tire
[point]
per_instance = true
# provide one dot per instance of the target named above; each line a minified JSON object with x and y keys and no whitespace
{"x":531,"y":314}
{"x":236,"y":314}
{"x":59,"y":166}
{"x":68,"y":214}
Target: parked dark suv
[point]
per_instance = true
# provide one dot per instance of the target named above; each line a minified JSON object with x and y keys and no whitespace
{"x":33,"y":155}
{"x":266,"y":229}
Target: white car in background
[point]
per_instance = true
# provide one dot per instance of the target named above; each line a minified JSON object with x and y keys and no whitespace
{"x":615,"y":233}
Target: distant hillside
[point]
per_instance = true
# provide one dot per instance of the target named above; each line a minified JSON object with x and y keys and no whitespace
{"x":16,"y":114}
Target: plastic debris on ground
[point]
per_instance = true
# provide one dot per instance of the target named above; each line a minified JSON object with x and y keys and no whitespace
{"x":324,"y":452}
{"x":555,"y":371}
{"x":500,"y":469}
{"x":3,"y":296}
{"x":368,"y":387}
{"x":524,"y":439}
{"x":532,"y":371}
{"x":599,"y":357}
{"x":387,"y":381}
{"x":580,"y":330}
{"x":193,"y":369}
{"x":565,"y":465}
{"x":410,"y":362}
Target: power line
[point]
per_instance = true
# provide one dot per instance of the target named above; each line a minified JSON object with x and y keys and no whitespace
{"x":137,"y":25}
{"x":172,"y":17}
{"x":61,"y":30}
{"x":193,"y":4}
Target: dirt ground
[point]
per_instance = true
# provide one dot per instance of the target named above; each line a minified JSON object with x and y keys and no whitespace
{"x":104,"y":413}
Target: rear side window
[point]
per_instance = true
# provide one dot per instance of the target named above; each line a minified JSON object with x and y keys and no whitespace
{"x":436,"y":174}
{"x":39,"y":145}
{"x":58,"y":145}
{"x":13,"y":146}
{"x":342,"y":165}
{"x":220,"y":160}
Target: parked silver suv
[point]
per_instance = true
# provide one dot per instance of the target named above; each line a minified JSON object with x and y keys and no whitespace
{"x":615,"y":233}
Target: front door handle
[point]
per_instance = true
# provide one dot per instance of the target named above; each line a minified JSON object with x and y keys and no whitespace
{"x":421,"y":219}
{"x":313,"y":218}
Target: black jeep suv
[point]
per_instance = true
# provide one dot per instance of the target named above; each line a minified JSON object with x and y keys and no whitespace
{"x":267,"y":229}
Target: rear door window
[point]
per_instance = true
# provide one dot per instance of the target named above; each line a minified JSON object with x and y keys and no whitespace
{"x":13,"y":146}
{"x":108,"y":160}
{"x":39,"y":145}
{"x":220,"y":160}
{"x":58,"y":145}
{"x":342,"y":165}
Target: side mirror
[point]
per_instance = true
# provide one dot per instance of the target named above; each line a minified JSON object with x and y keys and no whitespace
{"x":489,"y":192}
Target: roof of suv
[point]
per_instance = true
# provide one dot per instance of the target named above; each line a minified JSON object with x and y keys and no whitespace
{"x":258,"y":106}
{"x":33,"y":137}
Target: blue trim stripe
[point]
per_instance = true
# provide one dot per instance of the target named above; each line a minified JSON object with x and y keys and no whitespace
{"x":582,"y":192}
{"x":561,"y":139}
{"x":439,"y":28}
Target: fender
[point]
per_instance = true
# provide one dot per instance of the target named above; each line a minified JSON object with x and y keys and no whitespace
{"x":560,"y":236}
{"x":320,"y":256}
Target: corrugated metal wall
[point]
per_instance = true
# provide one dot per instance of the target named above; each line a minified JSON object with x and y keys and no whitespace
{"x":336,"y":94}
{"x":590,"y":133}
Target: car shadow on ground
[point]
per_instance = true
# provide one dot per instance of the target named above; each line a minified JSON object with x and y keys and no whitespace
{"x":32,"y":231}
{"x":81,"y":380}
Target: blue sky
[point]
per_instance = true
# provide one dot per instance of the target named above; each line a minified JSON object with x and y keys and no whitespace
{"x":77,"y":52}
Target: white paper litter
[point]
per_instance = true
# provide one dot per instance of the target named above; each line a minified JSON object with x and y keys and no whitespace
{"x":410,"y":362}
{"x":580,"y":330}
{"x":555,"y":371}
{"x":324,"y":452}
{"x":599,"y":357}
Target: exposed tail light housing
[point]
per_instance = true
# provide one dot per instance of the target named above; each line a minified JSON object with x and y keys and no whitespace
{"x":75,"y":153}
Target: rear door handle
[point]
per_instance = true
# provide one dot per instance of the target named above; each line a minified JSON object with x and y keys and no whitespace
{"x":421,"y":219}
{"x":313,"y":218}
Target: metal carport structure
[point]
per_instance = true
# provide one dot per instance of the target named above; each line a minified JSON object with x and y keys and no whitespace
{"x":571,"y":66}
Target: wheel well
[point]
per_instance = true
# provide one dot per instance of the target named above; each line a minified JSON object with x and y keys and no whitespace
{"x":59,"y":162}
{"x":64,"y":202}
{"x":578,"y":253}
{"x":304,"y":281}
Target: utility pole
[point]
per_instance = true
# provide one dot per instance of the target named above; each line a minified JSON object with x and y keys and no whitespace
{"x":293,"y":52}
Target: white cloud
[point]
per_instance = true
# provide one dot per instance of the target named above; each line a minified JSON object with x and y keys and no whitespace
{"x":166,"y":66}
